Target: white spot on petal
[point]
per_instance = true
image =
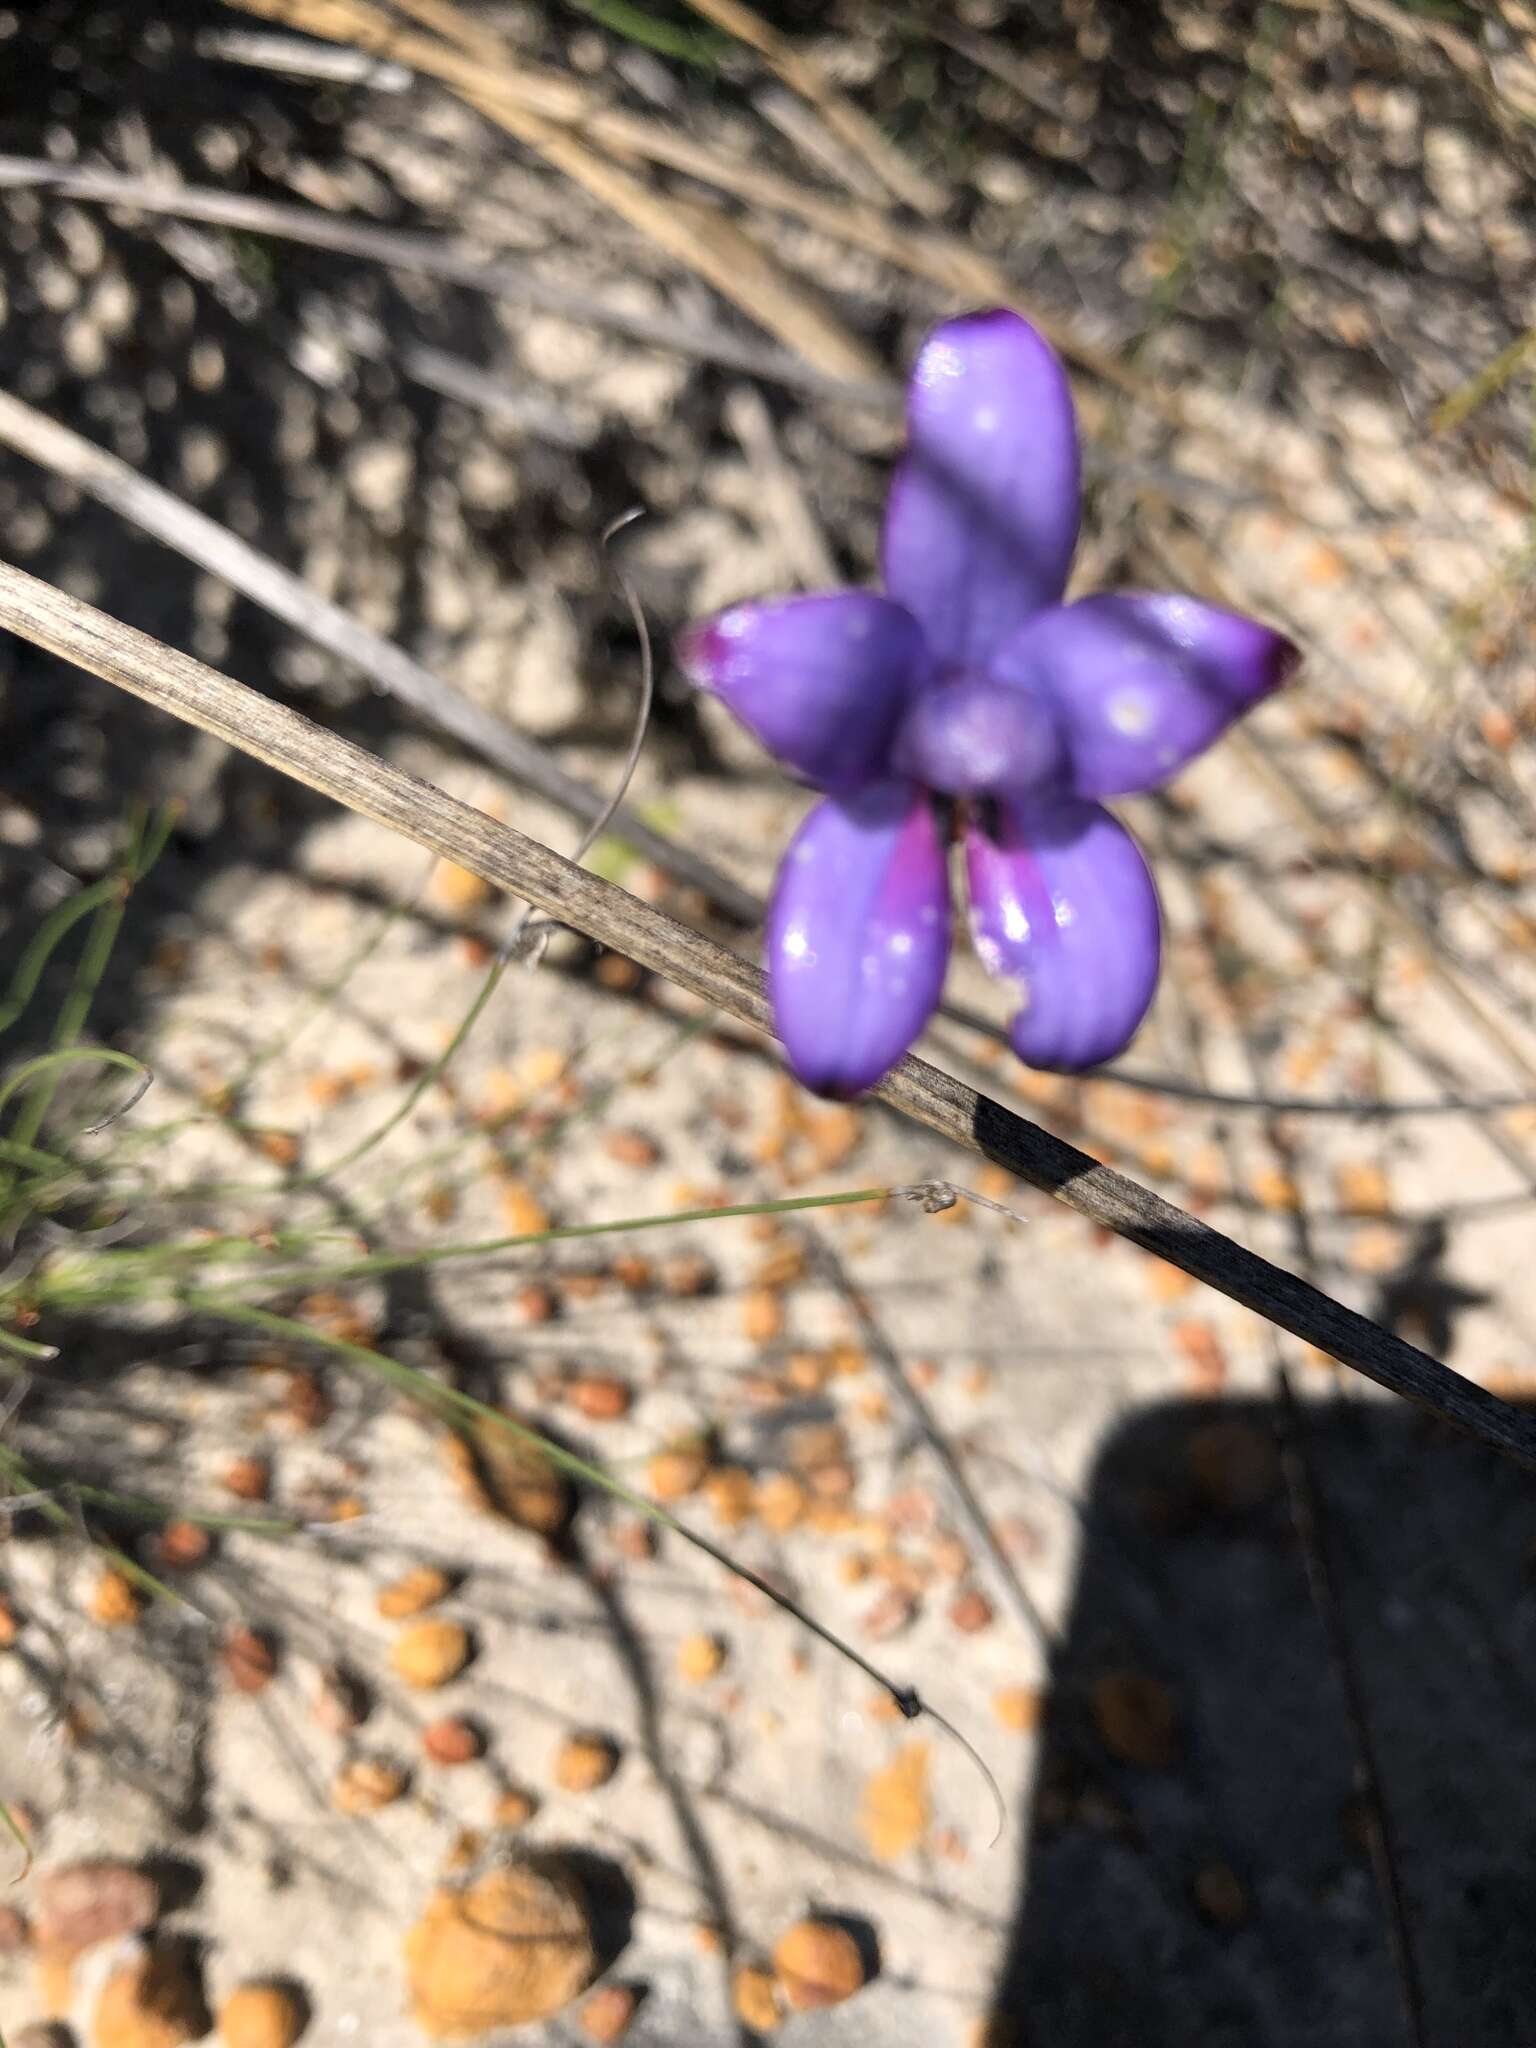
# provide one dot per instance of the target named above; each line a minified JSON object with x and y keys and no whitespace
{"x":1130,"y":713}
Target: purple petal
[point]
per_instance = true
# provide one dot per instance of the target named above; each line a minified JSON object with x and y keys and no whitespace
{"x":983,"y":510}
{"x":1063,"y":903}
{"x":968,"y":735}
{"x":858,"y":936}
{"x":820,"y":680}
{"x":1144,"y":683}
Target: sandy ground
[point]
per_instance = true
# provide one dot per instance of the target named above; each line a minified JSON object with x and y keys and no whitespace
{"x":1349,"y":900}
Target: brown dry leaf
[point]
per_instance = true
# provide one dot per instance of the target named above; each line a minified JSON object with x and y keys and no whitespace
{"x":513,"y":1947}
{"x":458,"y":890}
{"x":896,"y":1811}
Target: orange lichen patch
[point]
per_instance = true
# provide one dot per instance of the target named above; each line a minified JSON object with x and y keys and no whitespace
{"x":895,"y":1813}
{"x":514,"y":1947}
{"x":780,"y":1500}
{"x":1135,"y":1718}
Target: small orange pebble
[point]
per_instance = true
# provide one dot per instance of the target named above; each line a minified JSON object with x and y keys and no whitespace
{"x":339,"y":1704}
{"x":514,"y":1808}
{"x":581,"y":1286}
{"x":1203,"y":1355}
{"x":1498,"y":728}
{"x":970,"y":1612}
{"x":853,"y":1569}
{"x":732,"y":1495}
{"x":687,"y":1274}
{"x":1235,"y":1465}
{"x":762,"y":1315}
{"x":180,"y":1545}
{"x":632,"y":1148}
{"x":451,"y":1741}
{"x":895,"y":1610}
{"x":338,"y":1316}
{"x":1273,"y":1188}
{"x":281,"y":1147}
{"x":1362,"y":1189}
{"x":606,"y":2013}
{"x":808,"y":1371}
{"x":1165,"y":1282}
{"x":1135,"y":1719}
{"x":367,"y":1785}
{"x":599,"y":1397}
{"x":585,"y":1761}
{"x":618,"y":973}
{"x":833,"y":1136}
{"x":10,"y":1624}
{"x":635,"y":1538}
{"x":458,"y":890}
{"x":305,"y":1401}
{"x":674,"y":1474}
{"x":413,"y":1593}
{"x":476,"y":951}
{"x":249,"y":1660}
{"x":634,"y":1274}
{"x":978,"y":1380}
{"x":780,"y":1501}
{"x":700,"y":1658}
{"x":873,"y":1405}
{"x":440,"y":1203}
{"x":1220,"y":1896}
{"x":755,"y":1998}
{"x":521,"y":1211}
{"x":431,"y":1653}
{"x":923,"y":1373}
{"x":248,"y":1478}
{"x":783,"y":1265}
{"x":115,"y":1601}
{"x":818,"y":1964}
{"x":535,"y":1303}
{"x":1017,"y":1708}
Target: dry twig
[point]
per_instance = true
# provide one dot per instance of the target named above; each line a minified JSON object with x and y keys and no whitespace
{"x":242,"y":717}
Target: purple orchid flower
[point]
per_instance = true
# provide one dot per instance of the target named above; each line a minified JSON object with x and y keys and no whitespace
{"x":972,"y":697}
